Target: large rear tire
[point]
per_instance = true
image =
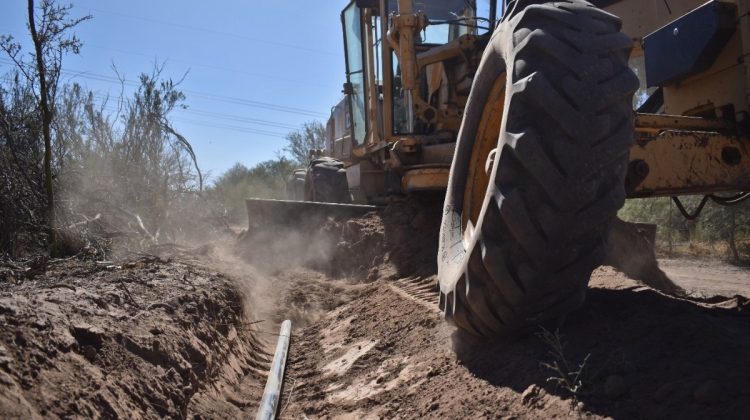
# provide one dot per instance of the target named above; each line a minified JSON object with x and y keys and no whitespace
{"x":326,"y":181}
{"x":538,"y":174}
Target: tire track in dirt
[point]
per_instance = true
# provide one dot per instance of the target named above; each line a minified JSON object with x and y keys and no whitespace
{"x":424,"y":291}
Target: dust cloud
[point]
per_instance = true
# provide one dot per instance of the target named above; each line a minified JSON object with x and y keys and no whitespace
{"x":259,"y":260}
{"x":630,"y":249}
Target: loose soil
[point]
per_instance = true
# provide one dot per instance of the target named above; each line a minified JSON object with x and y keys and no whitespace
{"x":187,"y":333}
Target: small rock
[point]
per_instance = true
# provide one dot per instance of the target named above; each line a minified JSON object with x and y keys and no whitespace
{"x":530,"y":395}
{"x":708,"y":393}
{"x":614,"y":386}
{"x":64,"y":339}
{"x":40,"y":323}
{"x":434,"y":406}
{"x":379,"y":380}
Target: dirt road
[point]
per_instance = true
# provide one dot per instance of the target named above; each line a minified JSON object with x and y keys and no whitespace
{"x":708,"y":277}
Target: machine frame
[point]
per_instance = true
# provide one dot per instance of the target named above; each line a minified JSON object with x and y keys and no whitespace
{"x":693,"y":140}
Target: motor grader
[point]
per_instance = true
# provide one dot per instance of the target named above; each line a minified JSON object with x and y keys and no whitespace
{"x":538,"y":119}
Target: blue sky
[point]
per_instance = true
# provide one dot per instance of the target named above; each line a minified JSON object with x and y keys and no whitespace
{"x":256,"y":69}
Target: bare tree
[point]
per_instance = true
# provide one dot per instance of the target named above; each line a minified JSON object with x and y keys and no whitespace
{"x":311,"y":136}
{"x":129,"y":175}
{"x":49,"y":33}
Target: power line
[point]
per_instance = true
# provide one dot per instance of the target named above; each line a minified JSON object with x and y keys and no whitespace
{"x":210,"y":124}
{"x":203,"y":95}
{"x":257,"y":104}
{"x":227,"y":117}
{"x":211,"y":66}
{"x":230,"y":127}
{"x":237,"y":118}
{"x":201,"y":29}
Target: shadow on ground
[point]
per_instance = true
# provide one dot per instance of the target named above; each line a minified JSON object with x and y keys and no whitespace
{"x":649,"y":356}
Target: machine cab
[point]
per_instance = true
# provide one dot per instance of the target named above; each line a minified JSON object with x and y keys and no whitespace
{"x":409,"y":64}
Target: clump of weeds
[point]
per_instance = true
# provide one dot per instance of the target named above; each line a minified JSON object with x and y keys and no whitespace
{"x":564,"y":373}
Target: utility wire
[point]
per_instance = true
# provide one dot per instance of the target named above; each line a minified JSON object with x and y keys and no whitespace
{"x":214,"y":67}
{"x":221,"y":116}
{"x":203,"y":95}
{"x":230,"y":127}
{"x":212,"y":124}
{"x":219,"y":125}
{"x":245,"y":130}
{"x":207,"y":30}
{"x":236,"y":118}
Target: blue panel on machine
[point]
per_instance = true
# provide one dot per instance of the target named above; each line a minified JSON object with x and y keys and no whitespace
{"x":689,"y":44}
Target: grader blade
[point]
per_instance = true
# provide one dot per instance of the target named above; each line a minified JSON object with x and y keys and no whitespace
{"x":265,"y":213}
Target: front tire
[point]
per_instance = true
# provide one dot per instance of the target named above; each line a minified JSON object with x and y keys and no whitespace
{"x":326,"y":181}
{"x":538,"y":174}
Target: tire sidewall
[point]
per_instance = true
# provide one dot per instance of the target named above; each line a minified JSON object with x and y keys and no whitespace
{"x":452,"y":252}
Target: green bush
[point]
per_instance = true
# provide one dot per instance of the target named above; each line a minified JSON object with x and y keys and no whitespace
{"x":715,"y":224}
{"x":264,"y":180}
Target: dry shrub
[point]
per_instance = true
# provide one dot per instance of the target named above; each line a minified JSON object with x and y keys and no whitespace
{"x":22,"y":201}
{"x":124,"y":179}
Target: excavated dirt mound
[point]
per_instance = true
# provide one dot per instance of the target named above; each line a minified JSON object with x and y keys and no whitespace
{"x":151,"y":336}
